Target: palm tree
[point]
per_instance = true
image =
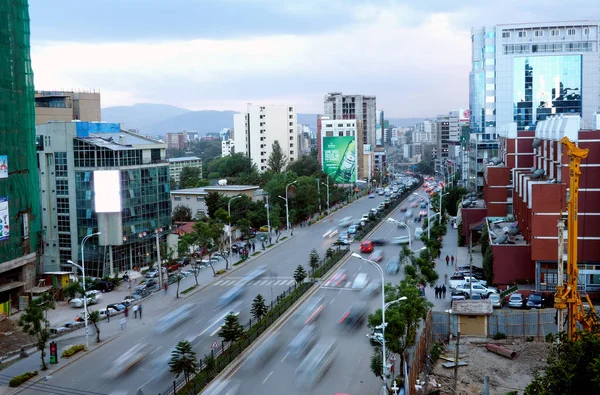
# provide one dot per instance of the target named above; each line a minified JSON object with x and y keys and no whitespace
{"x":183,"y":360}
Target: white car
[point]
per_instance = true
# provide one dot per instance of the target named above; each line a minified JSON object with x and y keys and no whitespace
{"x":132,"y":357}
{"x":400,"y":240}
{"x":475,"y":289}
{"x":361,"y":281}
{"x":495,"y":299}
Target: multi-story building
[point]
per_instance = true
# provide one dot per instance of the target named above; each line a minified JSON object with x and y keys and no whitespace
{"x":226,"y":134}
{"x":524,"y":73}
{"x":259,"y":127}
{"x":361,"y":107}
{"x":340,"y":139}
{"x":19,"y":187}
{"x":227,"y":147}
{"x":304,"y":139}
{"x":66,"y":106}
{"x":70,"y":156}
{"x":176,"y":166}
{"x":193,"y":198}
{"x":443,"y":135}
{"x":176,"y":140}
{"x":425,"y":132}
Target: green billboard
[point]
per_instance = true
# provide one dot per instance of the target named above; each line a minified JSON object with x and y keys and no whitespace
{"x":339,"y":158}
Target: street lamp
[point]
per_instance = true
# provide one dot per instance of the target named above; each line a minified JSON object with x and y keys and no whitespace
{"x":319,"y":193}
{"x":407,"y":229}
{"x":383,"y":307}
{"x":268,"y":215}
{"x":287,"y":210}
{"x":229,"y":215}
{"x":327,"y":185}
{"x":82,"y":268}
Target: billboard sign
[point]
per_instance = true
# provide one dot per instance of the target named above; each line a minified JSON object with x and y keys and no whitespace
{"x":4,"y":218}
{"x":339,"y":158}
{"x":3,"y":166}
{"x":107,"y":190}
{"x":464,"y":116}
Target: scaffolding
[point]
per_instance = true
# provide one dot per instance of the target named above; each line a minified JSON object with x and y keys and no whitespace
{"x":19,"y":183}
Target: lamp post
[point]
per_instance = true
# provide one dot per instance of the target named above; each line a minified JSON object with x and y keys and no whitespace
{"x":407,"y":229}
{"x":229,"y":215}
{"x":383,"y":307}
{"x":287,"y":208}
{"x":319,"y":194}
{"x":268,"y":215}
{"x":160,"y":275}
{"x":82,"y":267}
{"x":327,"y":185}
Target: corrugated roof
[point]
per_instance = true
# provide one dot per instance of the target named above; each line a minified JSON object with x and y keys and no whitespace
{"x":183,"y":159}
{"x":472,"y":307}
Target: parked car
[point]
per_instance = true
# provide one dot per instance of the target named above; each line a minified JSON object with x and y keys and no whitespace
{"x":458,"y":295}
{"x":173,"y":266}
{"x":535,"y":301}
{"x":116,"y":306}
{"x":184,"y":261}
{"x":237,"y":246}
{"x":372,"y":196}
{"x":152,"y":273}
{"x":264,"y":228}
{"x":496,"y":300}
{"x":516,"y":301}
{"x":352,"y":229}
{"x":104,"y":286}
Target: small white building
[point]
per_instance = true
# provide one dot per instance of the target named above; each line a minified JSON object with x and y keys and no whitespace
{"x":176,"y":166}
{"x":227,"y":147}
{"x":193,"y":198}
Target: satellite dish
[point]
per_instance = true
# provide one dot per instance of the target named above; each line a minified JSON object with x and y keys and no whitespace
{"x":513,"y":231}
{"x":536,"y":143}
{"x":505,"y":229}
{"x":501,"y":239}
{"x":538,"y":173}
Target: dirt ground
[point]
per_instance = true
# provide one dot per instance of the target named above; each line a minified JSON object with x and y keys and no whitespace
{"x":12,"y":337}
{"x":505,"y":375}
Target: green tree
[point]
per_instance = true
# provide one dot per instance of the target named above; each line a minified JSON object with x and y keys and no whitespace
{"x":377,"y":362}
{"x":403,"y":318}
{"x":485,"y":239}
{"x":488,"y":266}
{"x":231,"y":329}
{"x":183,"y":360}
{"x":329,"y":253}
{"x":178,"y":279}
{"x":190,"y":177}
{"x":277,"y":160}
{"x":182,"y":213}
{"x":206,"y":235}
{"x":259,"y":308}
{"x":35,"y":323}
{"x":573,"y":367}
{"x":94,"y":318}
{"x":299,"y":274}
{"x":305,"y":166}
{"x":173,"y":184}
{"x":213,"y":202}
{"x":313,"y":259}
{"x":72,"y":290}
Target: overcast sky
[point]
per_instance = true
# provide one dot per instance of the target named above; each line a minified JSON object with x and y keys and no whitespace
{"x":221,"y":54}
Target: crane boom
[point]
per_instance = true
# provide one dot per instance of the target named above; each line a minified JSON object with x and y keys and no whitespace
{"x":567,"y":295}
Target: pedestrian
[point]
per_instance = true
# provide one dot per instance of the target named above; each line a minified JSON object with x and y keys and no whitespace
{"x":140,"y":311}
{"x":123,"y":323}
{"x":107,"y":315}
{"x":439,"y":253}
{"x":126,"y":312}
{"x":253,"y":247}
{"x":444,"y":291}
{"x":452,"y":259}
{"x":447,"y":260}
{"x":166,"y":287}
{"x":135,"y":311}
{"x":270,"y":240}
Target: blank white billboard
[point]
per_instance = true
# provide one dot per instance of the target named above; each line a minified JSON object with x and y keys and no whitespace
{"x":107,"y":190}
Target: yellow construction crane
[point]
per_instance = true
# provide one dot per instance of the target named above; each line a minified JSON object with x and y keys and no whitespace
{"x":567,"y":295}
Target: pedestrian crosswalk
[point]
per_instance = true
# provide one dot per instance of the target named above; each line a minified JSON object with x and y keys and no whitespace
{"x":282,"y":281}
{"x":346,"y":285}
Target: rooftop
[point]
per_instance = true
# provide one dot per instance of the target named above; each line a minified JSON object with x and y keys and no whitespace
{"x":215,"y":188}
{"x":472,"y":307}
{"x":503,"y":230}
{"x":183,"y":159}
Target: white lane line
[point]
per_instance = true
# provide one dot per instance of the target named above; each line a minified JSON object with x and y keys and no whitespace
{"x":348,"y":284}
{"x":283,"y":359}
{"x":261,"y":282}
{"x":341,"y":290}
{"x":153,"y":353}
{"x":291,"y":282}
{"x":213,"y":324}
{"x":218,"y":282}
{"x":332,"y":301}
{"x":147,"y":381}
{"x":177,"y":335}
{"x":265,"y":380}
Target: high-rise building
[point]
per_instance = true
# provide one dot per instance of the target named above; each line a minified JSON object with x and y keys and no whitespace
{"x":71,"y":154}
{"x":257,"y":129}
{"x":19,"y":186}
{"x":66,"y":106}
{"x":524,"y":73}
{"x":361,"y":107}
{"x":227,"y":147}
{"x":341,"y":143}
{"x":443,"y":135}
{"x":176,"y":166}
{"x":425,"y":132}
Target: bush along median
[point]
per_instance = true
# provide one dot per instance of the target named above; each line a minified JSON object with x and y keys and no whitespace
{"x":18,"y":380}
{"x":211,"y":365}
{"x":69,"y":352}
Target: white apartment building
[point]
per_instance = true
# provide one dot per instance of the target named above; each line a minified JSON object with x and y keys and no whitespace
{"x":524,"y":73}
{"x":425,"y":132}
{"x":345,"y":127}
{"x":259,"y":127}
{"x":361,"y":107}
{"x":227,"y":147}
{"x":176,"y":165}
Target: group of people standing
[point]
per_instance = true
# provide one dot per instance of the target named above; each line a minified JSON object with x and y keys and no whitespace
{"x":440,"y":292}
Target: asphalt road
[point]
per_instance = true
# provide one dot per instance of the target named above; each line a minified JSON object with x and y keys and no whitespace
{"x":86,"y":375}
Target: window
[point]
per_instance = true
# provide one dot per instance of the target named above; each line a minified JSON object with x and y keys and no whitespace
{"x":505,"y":34}
{"x":291,"y":123}
{"x":199,"y":199}
{"x":328,"y":125}
{"x":291,"y":145}
{"x":555,"y":32}
{"x":489,"y":87}
{"x":539,"y":33}
{"x":291,"y":152}
{"x":291,"y":130}
{"x":291,"y":137}
{"x":522,"y":34}
{"x":570,"y":32}
{"x":490,"y":35}
{"x":490,"y":48}
{"x":490,"y":99}
{"x":291,"y":116}
{"x":177,"y":198}
{"x":187,"y":198}
{"x":291,"y":109}
{"x":340,"y":125}
{"x":586,"y":30}
{"x":490,"y":62}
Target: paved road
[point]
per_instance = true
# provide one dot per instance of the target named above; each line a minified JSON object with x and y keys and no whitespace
{"x":87,"y":373}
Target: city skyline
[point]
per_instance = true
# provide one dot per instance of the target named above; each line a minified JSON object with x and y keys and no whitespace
{"x":414,"y":57}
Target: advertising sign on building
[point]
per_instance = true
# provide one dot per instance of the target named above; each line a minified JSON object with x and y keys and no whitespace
{"x":4,"y":217}
{"x":339,"y":158}
{"x":464,"y":116}
{"x":3,"y":166}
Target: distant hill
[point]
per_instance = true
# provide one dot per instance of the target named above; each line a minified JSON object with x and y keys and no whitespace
{"x":141,"y":115}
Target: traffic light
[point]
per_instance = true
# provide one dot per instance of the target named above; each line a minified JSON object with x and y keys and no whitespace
{"x":53,"y":353}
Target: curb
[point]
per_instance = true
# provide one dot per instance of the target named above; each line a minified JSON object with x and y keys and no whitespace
{"x":234,"y":269}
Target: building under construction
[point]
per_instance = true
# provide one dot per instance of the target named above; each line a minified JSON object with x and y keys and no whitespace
{"x":19,"y":188}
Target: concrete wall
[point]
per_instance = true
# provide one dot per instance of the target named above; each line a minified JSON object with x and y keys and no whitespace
{"x":495,"y":190}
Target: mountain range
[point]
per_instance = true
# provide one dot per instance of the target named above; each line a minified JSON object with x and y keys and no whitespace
{"x":160,"y":119}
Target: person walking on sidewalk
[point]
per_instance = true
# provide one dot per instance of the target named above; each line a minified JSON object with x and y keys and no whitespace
{"x":126,"y":312}
{"x":135,"y":311}
{"x":123,"y":323}
{"x":447,"y":260}
{"x":166,"y":287}
{"x":444,"y":291}
{"x":452,"y":259}
{"x":107,"y":315}
{"x":140,"y":311}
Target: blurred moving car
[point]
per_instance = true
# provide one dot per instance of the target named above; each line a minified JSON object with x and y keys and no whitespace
{"x":132,"y":357}
{"x":303,"y":341}
{"x":400,"y":240}
{"x":366,"y":246}
{"x":346,"y":221}
{"x":337,"y":279}
{"x":316,"y":363}
{"x":354,"y":316}
{"x":379,"y":242}
{"x":222,"y":387}
{"x":516,"y":301}
{"x":371,"y":289}
{"x":376,"y":256}
{"x":173,"y":318}
{"x":393,"y":266}
{"x":230,"y":296}
{"x":263,"y":354}
{"x":360,"y":281}
{"x":311,"y":310}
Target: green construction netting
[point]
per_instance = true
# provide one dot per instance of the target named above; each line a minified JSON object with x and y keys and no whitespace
{"x":19,"y":183}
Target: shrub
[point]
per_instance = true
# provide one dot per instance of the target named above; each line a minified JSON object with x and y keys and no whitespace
{"x":18,"y":380}
{"x":499,"y":336}
{"x":283,"y":238}
{"x":237,"y":263}
{"x":550,"y":338}
{"x":73,"y":350}
{"x":188,"y":289}
{"x":222,"y":271}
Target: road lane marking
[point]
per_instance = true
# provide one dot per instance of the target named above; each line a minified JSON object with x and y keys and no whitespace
{"x":265,"y":380}
{"x":154,"y":352}
{"x":291,"y":282}
{"x":177,"y":335}
{"x":332,"y":301}
{"x":283,"y":359}
{"x":214,"y":323}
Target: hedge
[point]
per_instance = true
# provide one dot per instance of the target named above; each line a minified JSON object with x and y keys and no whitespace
{"x":18,"y":380}
{"x":73,"y":350}
{"x":188,"y":289}
{"x":222,"y":271}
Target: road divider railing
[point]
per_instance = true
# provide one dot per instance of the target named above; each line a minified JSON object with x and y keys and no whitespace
{"x":211,"y":365}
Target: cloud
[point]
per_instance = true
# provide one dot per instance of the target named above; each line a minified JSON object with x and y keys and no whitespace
{"x":417,"y":69}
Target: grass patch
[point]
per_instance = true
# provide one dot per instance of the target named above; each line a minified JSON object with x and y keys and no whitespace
{"x":270,"y":245}
{"x":238,"y":262}
{"x":69,"y":352}
{"x":190,"y":289}
{"x":283,"y":238}
{"x":18,"y":380}
{"x":256,"y":253}
{"x":222,"y":271}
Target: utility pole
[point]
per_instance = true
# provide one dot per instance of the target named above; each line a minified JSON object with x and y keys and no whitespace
{"x":456,"y":364}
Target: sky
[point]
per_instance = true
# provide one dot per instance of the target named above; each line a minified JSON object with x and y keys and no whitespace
{"x":414,"y":55}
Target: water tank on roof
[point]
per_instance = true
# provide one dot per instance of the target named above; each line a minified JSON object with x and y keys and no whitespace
{"x":513,"y":231}
{"x":501,"y":239}
{"x":536,"y":143}
{"x":223,"y":182}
